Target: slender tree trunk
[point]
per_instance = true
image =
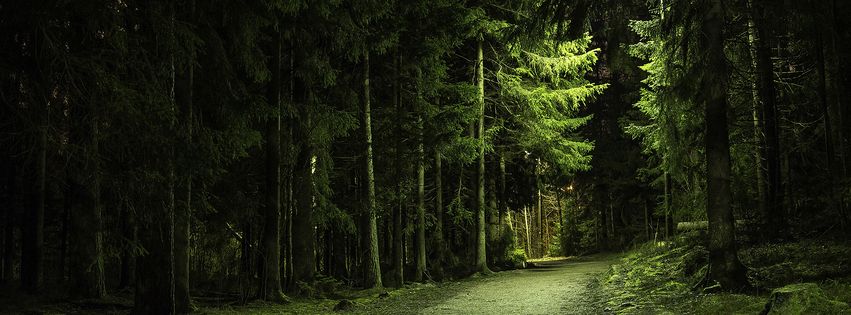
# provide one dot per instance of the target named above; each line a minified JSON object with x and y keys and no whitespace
{"x":540,"y":212}
{"x":773,"y":213}
{"x":481,"y":251}
{"x":526,"y":227}
{"x":183,"y":212}
{"x":398,"y":237}
{"x":612,"y":220}
{"x":302,"y":223}
{"x":503,"y":199}
{"x":289,"y":161}
{"x":493,"y":220}
{"x":438,"y":213}
{"x":372,"y":267}
{"x":127,"y":226}
{"x":725,"y":267}
{"x":757,"y":120}
{"x":32,"y":238}
{"x":86,"y":260}
{"x":270,"y":284}
{"x":155,"y":270}
{"x":562,"y":232}
{"x":421,"y":246}
{"x":826,"y":98}
{"x":646,"y":222}
{"x":68,"y":204}
{"x":669,"y":211}
{"x":9,"y":225}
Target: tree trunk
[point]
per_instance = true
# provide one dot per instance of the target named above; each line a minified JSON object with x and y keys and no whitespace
{"x":826,"y":98}
{"x":127,"y":226}
{"x":183,"y":212}
{"x":493,"y":222}
{"x":9,"y":220}
{"x":155,"y":270}
{"x":669,"y":198}
{"x":420,"y":266}
{"x":68,"y":204}
{"x":304,"y":264}
{"x":270,"y":284}
{"x":757,"y":121}
{"x":481,"y":238}
{"x":725,"y":267}
{"x":540,"y":212}
{"x":774,"y":221}
{"x":439,"y":245}
{"x":32,"y":237}
{"x":372,"y":267}
{"x":562,"y":232}
{"x":289,"y":161}
{"x":86,"y":259}
{"x":398,"y":237}
{"x":526,"y":227}
{"x":646,"y":222}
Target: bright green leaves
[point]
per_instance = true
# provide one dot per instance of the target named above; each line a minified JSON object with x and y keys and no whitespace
{"x":545,"y":89}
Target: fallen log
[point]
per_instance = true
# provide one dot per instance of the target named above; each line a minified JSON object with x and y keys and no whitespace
{"x":702,"y":225}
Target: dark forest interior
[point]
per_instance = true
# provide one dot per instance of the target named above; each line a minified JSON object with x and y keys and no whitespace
{"x":274,"y":156}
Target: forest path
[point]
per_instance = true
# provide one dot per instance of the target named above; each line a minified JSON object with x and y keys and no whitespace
{"x":552,"y":287}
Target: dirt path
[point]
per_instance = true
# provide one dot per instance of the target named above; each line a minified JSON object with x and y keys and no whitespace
{"x":554,"y":287}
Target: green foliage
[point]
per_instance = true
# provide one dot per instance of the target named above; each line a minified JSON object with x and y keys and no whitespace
{"x":516,"y":257}
{"x":544,"y":91}
{"x":670,"y":124}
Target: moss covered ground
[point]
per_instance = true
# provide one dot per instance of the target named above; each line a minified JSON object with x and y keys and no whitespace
{"x":669,"y":277}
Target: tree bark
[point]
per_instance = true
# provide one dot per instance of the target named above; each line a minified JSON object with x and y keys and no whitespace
{"x":773,"y":213}
{"x":270,"y":284}
{"x":32,"y":236}
{"x":439,"y":240}
{"x":86,"y":259}
{"x":183,"y":211}
{"x":420,"y":266}
{"x":540,"y":212}
{"x":372,"y":267}
{"x":481,"y":238}
{"x":528,"y":234}
{"x":9,"y":225}
{"x":155,"y":269}
{"x":725,"y":267}
{"x":398,"y":263}
{"x":826,"y":98}
{"x":492,"y":215}
{"x":289,"y":161}
{"x":127,"y":226}
{"x":304,"y":264}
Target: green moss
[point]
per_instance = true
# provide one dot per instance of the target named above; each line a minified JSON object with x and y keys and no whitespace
{"x":665,"y":277}
{"x":803,"y":298}
{"x":728,"y":304}
{"x":839,"y":290}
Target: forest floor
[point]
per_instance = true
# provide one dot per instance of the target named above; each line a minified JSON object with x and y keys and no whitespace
{"x":563,"y":286}
{"x":669,"y":278}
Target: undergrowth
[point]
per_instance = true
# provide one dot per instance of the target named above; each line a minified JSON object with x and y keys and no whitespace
{"x":666,"y":277}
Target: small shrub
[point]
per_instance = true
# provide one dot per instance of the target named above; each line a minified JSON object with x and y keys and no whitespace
{"x":517,"y":257}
